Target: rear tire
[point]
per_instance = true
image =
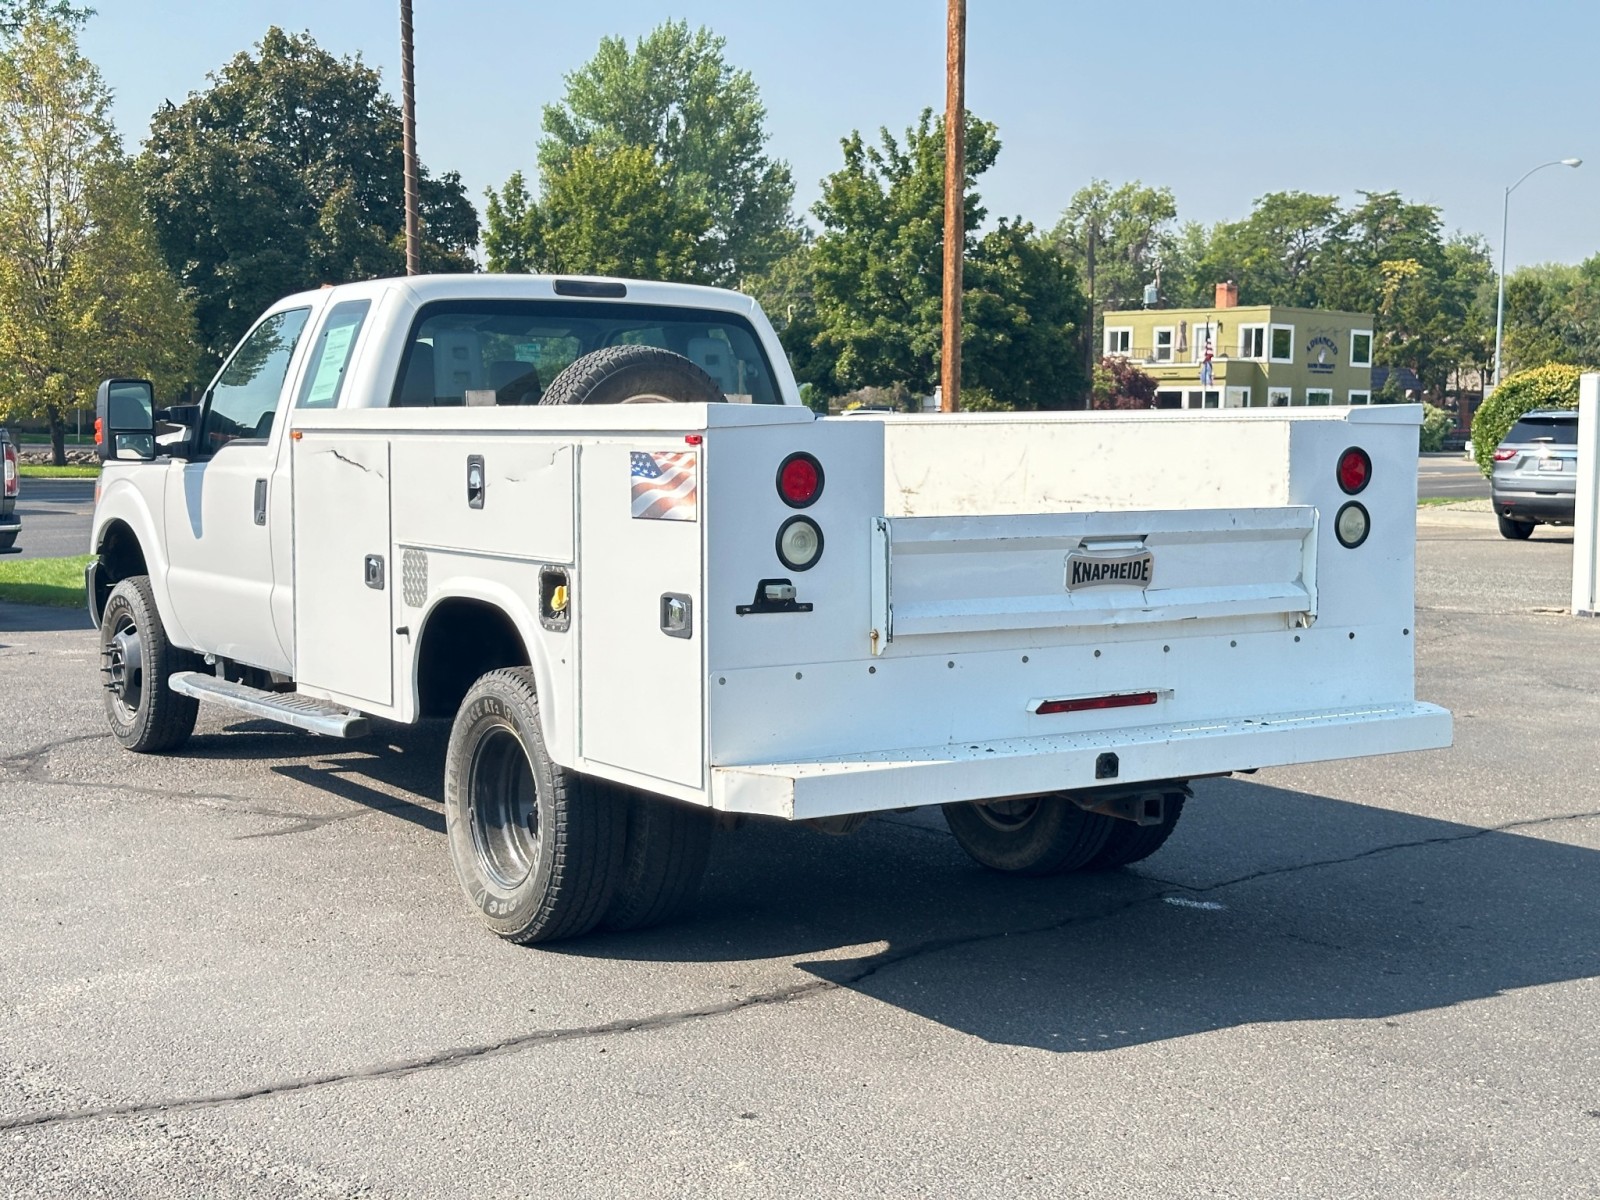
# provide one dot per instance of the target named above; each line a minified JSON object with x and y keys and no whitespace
{"x":668,"y":846}
{"x":537,"y":848}
{"x":1041,"y":835}
{"x":8,"y":539}
{"x":632,"y":375}
{"x":136,"y":661}
{"x":1129,"y":843}
{"x":1516,"y":530}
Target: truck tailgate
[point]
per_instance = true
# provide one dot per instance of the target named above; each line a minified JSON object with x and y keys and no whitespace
{"x":963,"y":575}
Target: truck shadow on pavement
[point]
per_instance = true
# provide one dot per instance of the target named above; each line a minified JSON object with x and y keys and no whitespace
{"x":1278,"y":906}
{"x":1268,"y":905}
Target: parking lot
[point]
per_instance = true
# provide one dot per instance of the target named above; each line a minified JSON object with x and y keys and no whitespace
{"x":247,"y":970}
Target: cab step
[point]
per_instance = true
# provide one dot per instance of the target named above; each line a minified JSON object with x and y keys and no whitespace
{"x":288,"y":708}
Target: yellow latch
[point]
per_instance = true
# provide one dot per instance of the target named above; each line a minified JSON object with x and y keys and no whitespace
{"x":558,"y":599}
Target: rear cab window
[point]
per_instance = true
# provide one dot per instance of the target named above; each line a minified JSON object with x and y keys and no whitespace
{"x":331,"y":354}
{"x":509,"y":351}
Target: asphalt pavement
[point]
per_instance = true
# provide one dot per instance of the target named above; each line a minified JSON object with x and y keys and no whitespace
{"x":1450,"y":476}
{"x":57,"y":515}
{"x":246,"y":970}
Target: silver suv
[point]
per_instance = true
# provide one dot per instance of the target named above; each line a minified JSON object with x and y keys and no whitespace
{"x":1535,"y":477}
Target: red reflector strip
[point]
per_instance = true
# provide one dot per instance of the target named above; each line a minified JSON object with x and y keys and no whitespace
{"x":1095,"y":703}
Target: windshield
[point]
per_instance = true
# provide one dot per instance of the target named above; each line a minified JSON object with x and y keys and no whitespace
{"x":509,"y":351}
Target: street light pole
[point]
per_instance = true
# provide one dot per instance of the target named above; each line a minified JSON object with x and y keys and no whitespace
{"x":1505,"y":217}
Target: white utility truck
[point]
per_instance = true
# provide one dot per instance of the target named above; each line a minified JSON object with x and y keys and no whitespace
{"x":451,"y":497}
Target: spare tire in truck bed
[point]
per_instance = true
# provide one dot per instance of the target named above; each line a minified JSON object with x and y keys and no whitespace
{"x":632,"y":375}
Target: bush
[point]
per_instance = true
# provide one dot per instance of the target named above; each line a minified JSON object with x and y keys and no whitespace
{"x":977,"y":399}
{"x":1119,"y":384}
{"x":1553,"y":386}
{"x":1436,"y":426}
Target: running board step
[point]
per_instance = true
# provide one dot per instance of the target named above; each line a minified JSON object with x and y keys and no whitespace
{"x":289,"y":708}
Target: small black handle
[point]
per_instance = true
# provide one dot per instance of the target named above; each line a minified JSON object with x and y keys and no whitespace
{"x":261,"y":502}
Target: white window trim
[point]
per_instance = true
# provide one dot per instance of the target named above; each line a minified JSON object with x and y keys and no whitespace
{"x":1127,"y":331}
{"x":1272,"y":329}
{"x":1265,"y":343}
{"x":1276,"y":393}
{"x":1328,"y":392}
{"x":1172,"y":342}
{"x":1366,"y":396}
{"x":1355,"y":333}
{"x":1241,"y":394}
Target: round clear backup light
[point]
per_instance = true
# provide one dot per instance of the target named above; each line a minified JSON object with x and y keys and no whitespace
{"x":799,"y":543}
{"x":1352,"y":525}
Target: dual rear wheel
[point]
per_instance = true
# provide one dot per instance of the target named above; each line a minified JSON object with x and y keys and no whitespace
{"x":1050,"y":835}
{"x":545,"y":853}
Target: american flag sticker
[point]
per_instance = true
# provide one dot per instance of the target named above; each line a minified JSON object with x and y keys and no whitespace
{"x":663,"y":485}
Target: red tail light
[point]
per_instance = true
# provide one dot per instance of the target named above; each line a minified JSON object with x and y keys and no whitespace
{"x":1355,"y":470}
{"x":1504,"y":455}
{"x":800,"y":480}
{"x":10,"y":470}
{"x":1095,"y":703}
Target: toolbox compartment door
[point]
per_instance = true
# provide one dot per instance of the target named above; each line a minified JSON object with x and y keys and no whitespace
{"x":937,"y":578}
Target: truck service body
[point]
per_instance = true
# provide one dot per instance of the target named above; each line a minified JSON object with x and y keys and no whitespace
{"x":740,"y":607}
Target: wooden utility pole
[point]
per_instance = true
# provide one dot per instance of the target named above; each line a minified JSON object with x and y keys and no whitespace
{"x":408,"y":127}
{"x":955,"y":196}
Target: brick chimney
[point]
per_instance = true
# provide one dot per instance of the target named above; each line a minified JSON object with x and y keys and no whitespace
{"x":1228,"y":295}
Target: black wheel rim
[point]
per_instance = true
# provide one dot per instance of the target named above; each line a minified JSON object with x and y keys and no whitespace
{"x":124,"y":663}
{"x":1008,"y":816}
{"x":504,"y":812}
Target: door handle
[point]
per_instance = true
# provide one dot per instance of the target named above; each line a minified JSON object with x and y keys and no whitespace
{"x":261,"y":502}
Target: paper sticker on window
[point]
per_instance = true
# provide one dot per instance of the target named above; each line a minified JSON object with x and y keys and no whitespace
{"x":529,"y":352}
{"x":663,"y":485}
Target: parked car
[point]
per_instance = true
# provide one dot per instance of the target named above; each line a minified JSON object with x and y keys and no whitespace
{"x":10,"y":523}
{"x":1535,"y":477}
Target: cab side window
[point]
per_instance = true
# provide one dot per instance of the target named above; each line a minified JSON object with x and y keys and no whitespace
{"x":331,"y":354}
{"x":244,"y":399}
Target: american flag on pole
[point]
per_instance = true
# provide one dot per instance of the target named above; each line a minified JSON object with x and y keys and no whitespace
{"x":663,"y":485}
{"x":1206,"y":373}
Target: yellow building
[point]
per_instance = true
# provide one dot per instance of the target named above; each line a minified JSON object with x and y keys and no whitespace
{"x":1256,"y":356}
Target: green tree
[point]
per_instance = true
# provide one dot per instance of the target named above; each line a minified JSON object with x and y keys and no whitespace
{"x":703,"y":121}
{"x":877,"y":279}
{"x":284,"y":174}
{"x":84,"y":292}
{"x":606,"y":212}
{"x":14,"y":14}
{"x":1277,"y":255}
{"x":1023,"y":315}
{"x":1114,"y":238}
{"x":878,"y":261}
{"x":1553,"y":315}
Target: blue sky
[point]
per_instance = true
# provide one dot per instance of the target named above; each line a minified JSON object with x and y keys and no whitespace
{"x":1219,"y":102}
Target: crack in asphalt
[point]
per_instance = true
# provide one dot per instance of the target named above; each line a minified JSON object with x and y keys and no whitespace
{"x":461,"y":1055}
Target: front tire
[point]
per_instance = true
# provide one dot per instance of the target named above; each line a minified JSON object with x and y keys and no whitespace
{"x":1518,"y":531}
{"x":136,"y":661}
{"x":1039,"y":835}
{"x":537,"y":848}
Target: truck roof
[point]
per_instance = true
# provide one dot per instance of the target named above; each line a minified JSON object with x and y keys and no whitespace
{"x":424,"y":289}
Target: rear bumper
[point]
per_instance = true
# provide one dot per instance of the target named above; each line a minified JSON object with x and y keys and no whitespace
{"x":1537,"y":506}
{"x":1027,"y":766}
{"x":9,"y":522}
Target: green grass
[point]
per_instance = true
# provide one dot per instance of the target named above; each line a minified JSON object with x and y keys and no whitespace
{"x":34,"y":471}
{"x":57,"y":582}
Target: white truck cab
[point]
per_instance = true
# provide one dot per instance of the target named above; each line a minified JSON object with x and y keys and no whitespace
{"x":464,"y":497}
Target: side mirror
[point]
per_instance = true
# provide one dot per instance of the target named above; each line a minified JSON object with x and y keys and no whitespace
{"x":125,"y":419}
